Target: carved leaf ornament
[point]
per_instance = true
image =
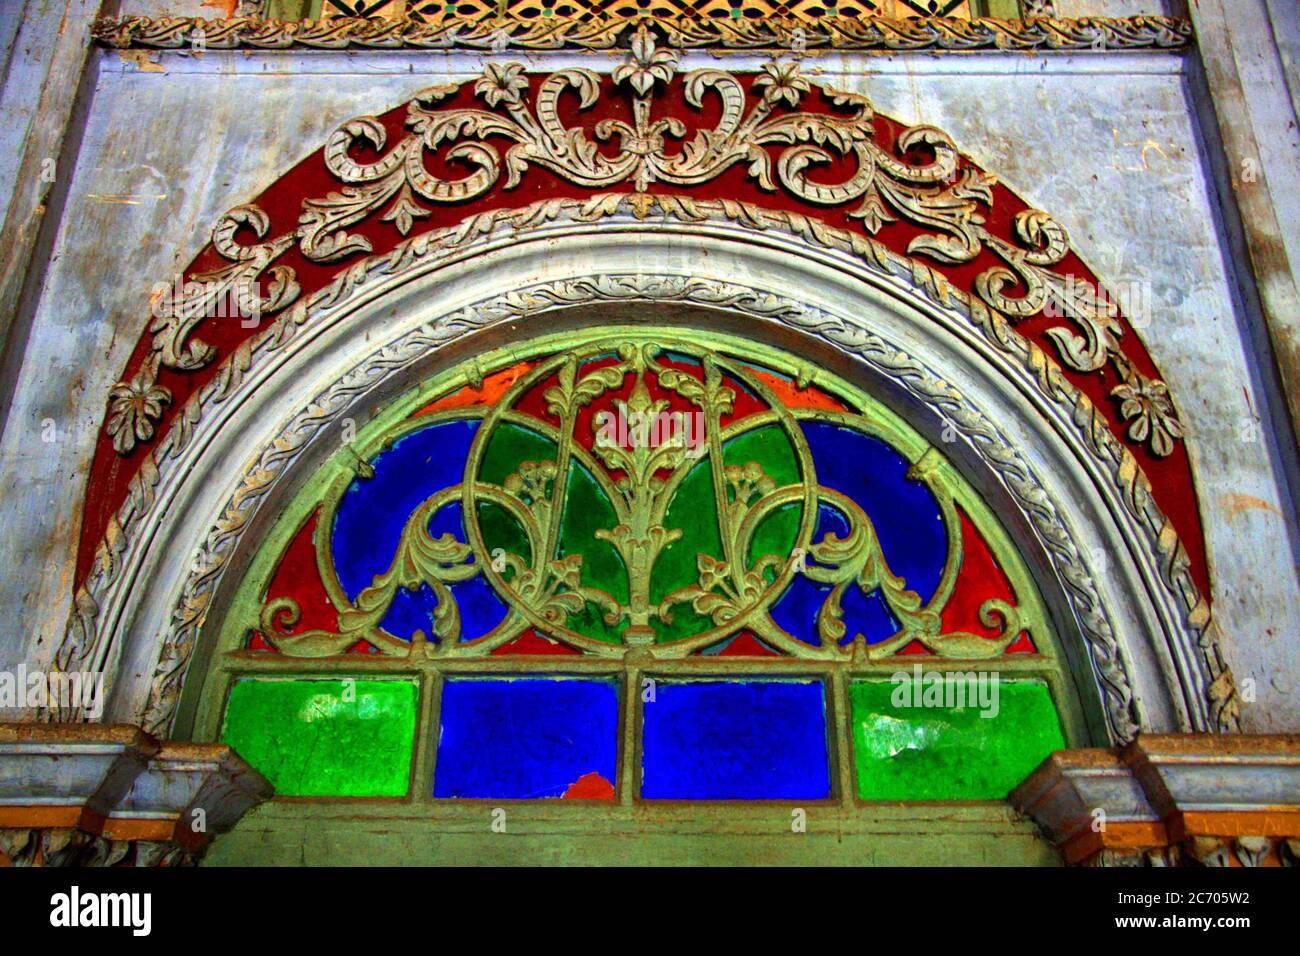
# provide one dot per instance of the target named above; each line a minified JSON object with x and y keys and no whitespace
{"x":944,"y":199}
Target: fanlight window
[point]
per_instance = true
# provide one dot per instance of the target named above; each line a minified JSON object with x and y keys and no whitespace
{"x":650,"y":565}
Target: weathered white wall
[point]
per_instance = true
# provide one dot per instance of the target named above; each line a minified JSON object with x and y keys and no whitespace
{"x":1107,"y":143}
{"x":1119,"y":8}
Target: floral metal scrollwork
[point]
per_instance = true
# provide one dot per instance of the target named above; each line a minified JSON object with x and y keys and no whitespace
{"x":544,"y":584}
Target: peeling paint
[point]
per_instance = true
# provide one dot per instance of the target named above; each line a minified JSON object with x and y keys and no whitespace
{"x":144,"y":60}
{"x":1237,"y":504}
{"x":590,"y":786}
{"x":126,"y":198}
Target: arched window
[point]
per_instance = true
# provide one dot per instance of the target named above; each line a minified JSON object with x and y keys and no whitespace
{"x":636,"y":563}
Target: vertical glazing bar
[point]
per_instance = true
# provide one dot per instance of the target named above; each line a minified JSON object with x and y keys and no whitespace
{"x":426,"y":734}
{"x":629,"y":735}
{"x":211,"y":711}
{"x":839,"y":720}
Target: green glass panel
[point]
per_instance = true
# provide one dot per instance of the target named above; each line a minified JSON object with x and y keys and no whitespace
{"x":325,"y":738}
{"x":587,"y":509}
{"x":935,"y":751}
{"x":694,"y":513}
{"x":769,"y":447}
{"x":501,"y":530}
{"x":509,"y":446}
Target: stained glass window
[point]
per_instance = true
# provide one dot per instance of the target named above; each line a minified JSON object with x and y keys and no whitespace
{"x":639,"y":565}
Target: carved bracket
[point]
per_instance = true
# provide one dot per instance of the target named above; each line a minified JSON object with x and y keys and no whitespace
{"x":112,"y":795}
{"x":1176,"y":800}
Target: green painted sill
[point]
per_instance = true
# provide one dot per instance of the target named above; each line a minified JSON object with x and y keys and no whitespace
{"x":286,"y":832}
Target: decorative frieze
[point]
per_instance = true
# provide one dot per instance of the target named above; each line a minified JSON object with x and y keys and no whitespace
{"x":872,"y":34}
{"x":431,"y":11}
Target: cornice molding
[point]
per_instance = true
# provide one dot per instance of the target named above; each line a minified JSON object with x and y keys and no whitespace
{"x":867,"y":34}
{"x":1171,"y":800}
{"x":112,"y":795}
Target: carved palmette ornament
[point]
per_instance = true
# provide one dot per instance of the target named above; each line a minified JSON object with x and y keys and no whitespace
{"x":943,"y":197}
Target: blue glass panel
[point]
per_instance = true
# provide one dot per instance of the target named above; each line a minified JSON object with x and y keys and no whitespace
{"x":374,"y":511}
{"x":865,"y":614}
{"x":524,"y":738}
{"x":906,"y":518}
{"x":480,"y":607}
{"x":736,"y":740}
{"x":905,"y":514}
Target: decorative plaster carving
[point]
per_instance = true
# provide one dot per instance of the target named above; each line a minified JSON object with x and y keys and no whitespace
{"x":61,"y":847}
{"x":949,"y":201}
{"x":920,"y":34}
{"x":1211,"y":851}
{"x":1251,"y":850}
{"x":1289,"y":851}
{"x":939,"y":196}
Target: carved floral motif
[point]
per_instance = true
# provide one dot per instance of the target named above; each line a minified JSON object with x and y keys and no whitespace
{"x":938,"y":194}
{"x":930,"y":34}
{"x":1147,"y":404}
{"x":135,"y":406}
